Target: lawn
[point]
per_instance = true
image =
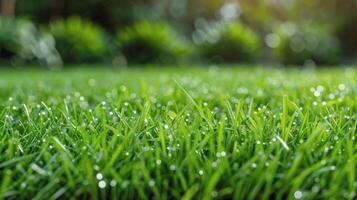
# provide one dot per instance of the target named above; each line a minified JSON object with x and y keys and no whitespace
{"x":190,"y":133}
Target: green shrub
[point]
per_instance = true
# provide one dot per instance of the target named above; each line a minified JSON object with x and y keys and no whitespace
{"x":78,"y":40}
{"x":297,"y":45}
{"x":151,"y":42}
{"x":230,"y":42}
{"x":21,"y":41}
{"x":9,"y":46}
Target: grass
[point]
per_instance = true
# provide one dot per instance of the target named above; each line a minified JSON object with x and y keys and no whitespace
{"x":220,"y":133}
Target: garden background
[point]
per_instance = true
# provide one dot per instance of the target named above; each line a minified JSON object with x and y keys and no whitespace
{"x":57,"y":33}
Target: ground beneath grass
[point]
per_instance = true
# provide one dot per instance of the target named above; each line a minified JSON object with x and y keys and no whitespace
{"x":191,"y":133}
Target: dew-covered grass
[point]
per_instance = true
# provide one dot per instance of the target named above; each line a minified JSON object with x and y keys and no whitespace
{"x":190,"y":133}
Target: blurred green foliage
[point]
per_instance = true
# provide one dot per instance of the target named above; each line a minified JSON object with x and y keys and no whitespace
{"x":9,"y":46}
{"x":228,"y":42}
{"x":235,"y":44}
{"x":151,"y":42}
{"x":108,"y":13}
{"x":79,"y":40}
{"x":305,"y":44}
{"x":21,"y":41}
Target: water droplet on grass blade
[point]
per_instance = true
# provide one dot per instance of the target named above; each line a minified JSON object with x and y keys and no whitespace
{"x":113,"y":183}
{"x":172,"y":115}
{"x":125,"y":184}
{"x":341,"y":86}
{"x":172,"y":167}
{"x":317,"y":93}
{"x":102,"y":184}
{"x":23,"y":185}
{"x":99,"y":176}
{"x":298,"y":194}
{"x":151,"y":183}
{"x":214,"y":193}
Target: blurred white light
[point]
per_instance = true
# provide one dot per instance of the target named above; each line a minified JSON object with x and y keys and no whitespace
{"x":298,"y":194}
{"x":229,"y":11}
{"x":272,"y":40}
{"x":289,"y":28}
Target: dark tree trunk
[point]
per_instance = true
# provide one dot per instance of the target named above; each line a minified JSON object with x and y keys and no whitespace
{"x":8,"y":7}
{"x":58,"y":9}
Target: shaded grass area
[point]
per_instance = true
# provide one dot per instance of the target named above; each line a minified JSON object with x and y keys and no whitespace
{"x":220,"y":133}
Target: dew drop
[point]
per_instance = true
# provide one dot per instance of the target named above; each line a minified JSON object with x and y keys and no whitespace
{"x":298,"y":194}
{"x":172,"y":167}
{"x":214,"y":193}
{"x":102,"y":184}
{"x":317,"y":93}
{"x":151,"y":183}
{"x":23,"y":185}
{"x":113,"y":183}
{"x":341,"y":86}
{"x":99,"y":176}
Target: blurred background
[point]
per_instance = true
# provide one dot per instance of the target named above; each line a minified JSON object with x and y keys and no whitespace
{"x":55,"y":33}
